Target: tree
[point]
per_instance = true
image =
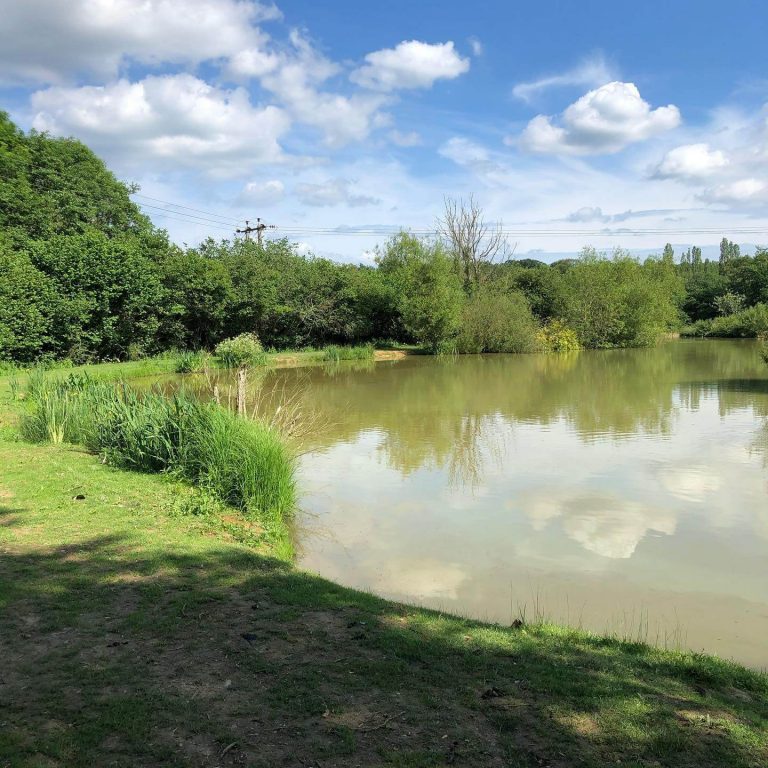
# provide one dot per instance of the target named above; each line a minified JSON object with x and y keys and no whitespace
{"x":728,"y":252}
{"x":198,"y":290}
{"x":28,"y":307}
{"x":54,"y":186}
{"x":696,"y":257}
{"x":110,"y":294}
{"x":668,"y":256}
{"x":730,"y":303}
{"x":433,"y":298}
{"x":473,"y":243}
{"x":618,"y":302}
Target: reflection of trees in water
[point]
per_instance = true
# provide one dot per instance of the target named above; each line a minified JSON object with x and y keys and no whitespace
{"x":455,"y":412}
{"x":464,"y":446}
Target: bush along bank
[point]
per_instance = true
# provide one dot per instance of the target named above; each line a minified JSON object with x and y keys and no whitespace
{"x":748,"y":323}
{"x":240,"y":461}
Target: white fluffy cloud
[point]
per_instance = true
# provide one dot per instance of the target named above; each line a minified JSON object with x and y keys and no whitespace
{"x":602,"y":121}
{"x":175,"y":118}
{"x":411,"y":64}
{"x":48,"y":41}
{"x":262,"y":192}
{"x":296,"y":84}
{"x":729,"y":168}
{"x":691,"y":161}
{"x":332,"y":192}
{"x":747,"y":190}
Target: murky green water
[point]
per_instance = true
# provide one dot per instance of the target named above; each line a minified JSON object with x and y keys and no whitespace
{"x":622,"y":491}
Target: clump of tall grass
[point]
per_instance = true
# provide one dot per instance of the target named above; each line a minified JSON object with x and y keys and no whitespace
{"x":192,"y":362}
{"x":335,"y":353}
{"x":8,"y":367}
{"x":243,"y":462}
{"x":243,"y":351}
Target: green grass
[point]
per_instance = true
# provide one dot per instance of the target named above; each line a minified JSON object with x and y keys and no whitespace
{"x":135,"y":629}
{"x":243,"y":462}
{"x":335,"y":353}
{"x":192,"y":362}
{"x":143,"y":622}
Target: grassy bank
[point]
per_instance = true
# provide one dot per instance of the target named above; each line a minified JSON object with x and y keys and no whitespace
{"x":191,"y":362}
{"x":242,"y":462}
{"x":141,"y":626}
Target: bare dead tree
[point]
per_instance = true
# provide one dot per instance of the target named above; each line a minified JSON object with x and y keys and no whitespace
{"x":473,"y":242}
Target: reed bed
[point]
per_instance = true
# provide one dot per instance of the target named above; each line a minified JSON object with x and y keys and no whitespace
{"x":244,"y":462}
{"x":192,"y":362}
{"x":335,"y":353}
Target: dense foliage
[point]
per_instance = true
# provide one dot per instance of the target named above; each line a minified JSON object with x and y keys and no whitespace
{"x":85,"y":276}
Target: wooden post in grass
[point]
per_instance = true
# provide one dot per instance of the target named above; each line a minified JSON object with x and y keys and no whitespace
{"x":241,"y":379}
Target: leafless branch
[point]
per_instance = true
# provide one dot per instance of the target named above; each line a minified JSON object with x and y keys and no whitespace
{"x":473,"y":242}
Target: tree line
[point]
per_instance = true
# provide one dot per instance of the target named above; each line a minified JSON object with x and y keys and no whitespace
{"x":85,"y":275}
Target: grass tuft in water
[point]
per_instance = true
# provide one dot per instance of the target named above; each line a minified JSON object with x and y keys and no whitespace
{"x":192,"y":362}
{"x":335,"y":353}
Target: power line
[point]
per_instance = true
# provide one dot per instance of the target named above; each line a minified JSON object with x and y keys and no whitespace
{"x":187,"y":221}
{"x":190,"y":216}
{"x":187,"y":207}
{"x":218,"y":220}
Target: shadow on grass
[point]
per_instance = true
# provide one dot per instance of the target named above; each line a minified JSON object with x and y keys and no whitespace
{"x":115,"y":655}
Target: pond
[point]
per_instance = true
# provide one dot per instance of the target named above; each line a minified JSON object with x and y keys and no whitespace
{"x":618,"y":491}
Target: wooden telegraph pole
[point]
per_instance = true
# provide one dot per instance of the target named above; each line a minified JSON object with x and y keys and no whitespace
{"x":258,"y":229}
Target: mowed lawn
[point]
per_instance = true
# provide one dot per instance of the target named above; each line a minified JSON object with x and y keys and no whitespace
{"x":141,"y":627}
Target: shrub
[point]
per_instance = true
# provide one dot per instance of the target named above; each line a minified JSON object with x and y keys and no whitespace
{"x":749,"y":323}
{"x":497,"y":322}
{"x":557,"y":337}
{"x":241,"y":351}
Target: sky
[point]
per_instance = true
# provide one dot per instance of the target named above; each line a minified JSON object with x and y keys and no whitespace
{"x":610,"y":124}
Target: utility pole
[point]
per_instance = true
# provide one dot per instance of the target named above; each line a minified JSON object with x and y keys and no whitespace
{"x":258,"y":229}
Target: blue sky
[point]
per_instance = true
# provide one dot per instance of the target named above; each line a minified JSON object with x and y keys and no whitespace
{"x":591,"y":123}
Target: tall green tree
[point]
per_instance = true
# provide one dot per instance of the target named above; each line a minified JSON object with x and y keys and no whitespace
{"x":28,"y":308}
{"x":668,"y":257}
{"x":431,"y":296}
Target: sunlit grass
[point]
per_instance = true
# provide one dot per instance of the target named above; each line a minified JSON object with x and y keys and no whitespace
{"x":243,"y":462}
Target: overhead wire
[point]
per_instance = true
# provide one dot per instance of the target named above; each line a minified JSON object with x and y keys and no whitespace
{"x":222,"y":222}
{"x":190,"y":216}
{"x":228,"y":219}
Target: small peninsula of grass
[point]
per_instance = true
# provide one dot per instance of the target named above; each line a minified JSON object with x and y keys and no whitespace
{"x":142,"y":624}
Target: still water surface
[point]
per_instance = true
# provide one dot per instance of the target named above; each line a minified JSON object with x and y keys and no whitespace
{"x":622,"y":491}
